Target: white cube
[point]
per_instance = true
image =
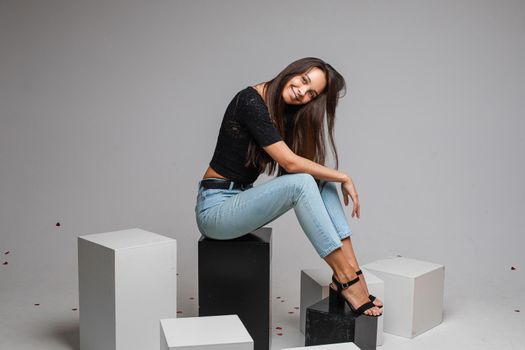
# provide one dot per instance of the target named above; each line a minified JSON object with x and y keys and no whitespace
{"x":224,"y":332}
{"x":413,"y":294}
{"x":336,"y":346}
{"x":127,"y":282}
{"x":315,"y":287}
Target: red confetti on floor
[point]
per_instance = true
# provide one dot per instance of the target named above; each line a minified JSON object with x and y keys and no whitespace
{"x":278,"y":327}
{"x":290,"y":312}
{"x":277,"y":297}
{"x":279,"y":334}
{"x":58,"y":224}
{"x":5,"y":263}
{"x":74,"y":309}
{"x":516,"y":310}
{"x":282,"y":301}
{"x":179,"y":312}
{"x":296,"y":307}
{"x":37,"y":304}
{"x":192,"y":298}
{"x":7,"y":252}
{"x":512,"y":268}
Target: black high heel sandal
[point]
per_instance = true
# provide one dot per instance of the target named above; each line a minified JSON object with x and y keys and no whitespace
{"x":370,"y":296}
{"x":337,"y":300}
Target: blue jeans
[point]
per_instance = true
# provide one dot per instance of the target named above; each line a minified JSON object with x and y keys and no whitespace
{"x":229,"y":213}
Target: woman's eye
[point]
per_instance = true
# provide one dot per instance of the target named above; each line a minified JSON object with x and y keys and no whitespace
{"x":304,"y":80}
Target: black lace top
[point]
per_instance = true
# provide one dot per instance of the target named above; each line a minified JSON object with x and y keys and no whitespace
{"x":246,"y":118}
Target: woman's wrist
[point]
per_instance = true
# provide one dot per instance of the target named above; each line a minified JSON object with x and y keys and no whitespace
{"x":345,"y":178}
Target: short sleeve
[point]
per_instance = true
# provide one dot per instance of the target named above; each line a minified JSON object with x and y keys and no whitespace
{"x":253,"y":114}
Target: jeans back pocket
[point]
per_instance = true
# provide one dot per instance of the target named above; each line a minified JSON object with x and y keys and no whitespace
{"x":212,"y":197}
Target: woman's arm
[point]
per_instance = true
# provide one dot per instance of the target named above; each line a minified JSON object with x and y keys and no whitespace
{"x":292,"y":163}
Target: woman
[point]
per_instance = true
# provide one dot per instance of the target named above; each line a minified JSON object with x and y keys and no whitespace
{"x":279,"y":124}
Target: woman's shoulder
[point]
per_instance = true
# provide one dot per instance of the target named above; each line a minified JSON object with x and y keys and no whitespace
{"x":249,"y":98}
{"x":251,"y":95}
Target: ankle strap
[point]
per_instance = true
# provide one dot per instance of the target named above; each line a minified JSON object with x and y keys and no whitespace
{"x":359,"y":272}
{"x":342,"y":286}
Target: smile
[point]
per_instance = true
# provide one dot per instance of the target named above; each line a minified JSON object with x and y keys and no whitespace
{"x":294,"y":93}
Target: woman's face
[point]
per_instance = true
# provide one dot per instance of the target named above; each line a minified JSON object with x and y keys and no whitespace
{"x":304,"y":87}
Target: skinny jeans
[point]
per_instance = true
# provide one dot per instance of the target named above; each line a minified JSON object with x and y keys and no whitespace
{"x":230,"y":213}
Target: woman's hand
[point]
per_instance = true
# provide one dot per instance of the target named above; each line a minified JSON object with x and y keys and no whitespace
{"x":348,"y":189}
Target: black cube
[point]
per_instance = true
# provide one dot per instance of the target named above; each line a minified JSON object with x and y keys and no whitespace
{"x":327,"y":325}
{"x":234,"y":278}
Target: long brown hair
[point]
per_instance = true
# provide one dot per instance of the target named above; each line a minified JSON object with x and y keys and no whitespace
{"x":307,"y":121}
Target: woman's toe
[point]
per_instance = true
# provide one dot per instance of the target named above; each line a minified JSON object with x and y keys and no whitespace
{"x":373,"y":311}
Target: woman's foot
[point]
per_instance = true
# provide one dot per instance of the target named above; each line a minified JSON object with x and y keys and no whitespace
{"x":377,"y":302}
{"x":348,"y":252}
{"x":356,"y":296}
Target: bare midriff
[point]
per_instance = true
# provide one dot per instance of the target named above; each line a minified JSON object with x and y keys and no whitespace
{"x":212,"y":173}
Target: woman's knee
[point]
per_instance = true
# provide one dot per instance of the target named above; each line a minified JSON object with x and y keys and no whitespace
{"x":303,"y":182}
{"x":328,"y":186}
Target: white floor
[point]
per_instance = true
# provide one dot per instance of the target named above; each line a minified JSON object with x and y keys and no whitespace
{"x":469,"y":323}
{"x":477,"y":321}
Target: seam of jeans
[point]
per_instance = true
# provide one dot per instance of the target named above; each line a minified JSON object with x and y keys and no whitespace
{"x":319,"y":228}
{"x":250,"y":199}
{"x":338,"y":228}
{"x":268,"y":191}
{"x":271,"y":189}
{"x":322,"y":232}
{"x":205,"y":213}
{"x":330,"y":249}
{"x":345,"y":235}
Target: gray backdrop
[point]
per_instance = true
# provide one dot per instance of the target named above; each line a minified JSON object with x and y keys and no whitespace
{"x":110,"y":112}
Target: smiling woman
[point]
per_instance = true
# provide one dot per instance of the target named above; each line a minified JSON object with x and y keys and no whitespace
{"x":305,"y":87}
{"x":279,"y":125}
